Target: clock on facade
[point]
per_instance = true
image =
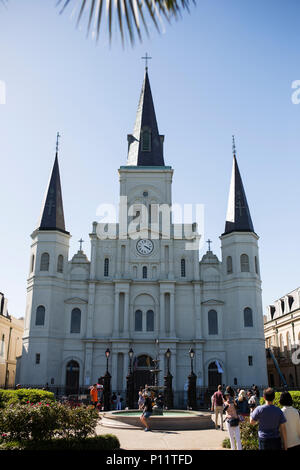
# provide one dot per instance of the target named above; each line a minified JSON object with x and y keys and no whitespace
{"x":144,"y":246}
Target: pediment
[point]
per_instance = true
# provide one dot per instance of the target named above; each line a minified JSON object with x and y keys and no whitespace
{"x":212,"y":302}
{"x":76,"y":300}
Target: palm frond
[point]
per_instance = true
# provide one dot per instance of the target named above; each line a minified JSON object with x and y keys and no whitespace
{"x":132,"y":16}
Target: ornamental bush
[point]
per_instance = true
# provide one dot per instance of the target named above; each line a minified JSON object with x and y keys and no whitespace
{"x":103,"y":442}
{"x":44,"y":421}
{"x":24,"y":395}
{"x":249,"y":436}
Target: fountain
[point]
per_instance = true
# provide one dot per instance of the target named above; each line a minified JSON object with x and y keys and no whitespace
{"x":161,"y":419}
{"x":157,"y":409}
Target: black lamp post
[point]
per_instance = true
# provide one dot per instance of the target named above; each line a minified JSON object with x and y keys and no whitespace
{"x":130,"y":383}
{"x":192,"y":399}
{"x":106,"y":384}
{"x":168,"y":383}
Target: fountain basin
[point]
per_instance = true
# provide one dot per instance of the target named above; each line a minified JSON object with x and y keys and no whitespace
{"x":173,"y":420}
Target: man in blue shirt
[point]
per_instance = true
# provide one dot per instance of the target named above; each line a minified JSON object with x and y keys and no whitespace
{"x":271,"y":423}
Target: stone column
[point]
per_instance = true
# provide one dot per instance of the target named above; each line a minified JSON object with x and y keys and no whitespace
{"x":125,"y":372}
{"x":90,"y":309}
{"x":173,"y":368}
{"x":116,"y":313}
{"x":172,"y":314}
{"x":126,"y":314}
{"x":88,"y":379}
{"x":162,"y":315}
{"x":197,"y":310}
{"x":114,"y":370}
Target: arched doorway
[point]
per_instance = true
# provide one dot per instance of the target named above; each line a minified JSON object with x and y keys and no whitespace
{"x":72,"y":377}
{"x":214,"y":376}
{"x":141,"y":372}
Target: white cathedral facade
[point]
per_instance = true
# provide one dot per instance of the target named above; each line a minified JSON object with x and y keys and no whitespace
{"x":148,"y":293}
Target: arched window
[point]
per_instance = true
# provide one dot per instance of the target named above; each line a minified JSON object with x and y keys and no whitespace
{"x":60,"y":264}
{"x":146,"y":140}
{"x":32,"y":263}
{"x":106,"y":267}
{"x":256,"y":264}
{"x":40,"y":316}
{"x":291,"y":301}
{"x":183,"y":267}
{"x":138,"y":321}
{"x":229,"y":265}
{"x":144,"y":272}
{"x":282,"y":305}
{"x":45,"y":258}
{"x":248,"y":317}
{"x":144,"y":361}
{"x":150,"y":320}
{"x":245,"y":263}
{"x":75,"y":320}
{"x":212,"y":322}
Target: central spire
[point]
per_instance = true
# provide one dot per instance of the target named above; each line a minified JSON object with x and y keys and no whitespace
{"x":145,"y":145}
{"x":52,"y":214}
{"x":238,"y":217}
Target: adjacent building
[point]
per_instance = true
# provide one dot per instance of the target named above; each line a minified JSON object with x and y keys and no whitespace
{"x":282,"y":335}
{"x":11,"y":332}
{"x":148,"y":292}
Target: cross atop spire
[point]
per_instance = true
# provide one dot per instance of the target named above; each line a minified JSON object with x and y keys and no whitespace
{"x":233,"y":146}
{"x":57,"y":142}
{"x":146,"y":58}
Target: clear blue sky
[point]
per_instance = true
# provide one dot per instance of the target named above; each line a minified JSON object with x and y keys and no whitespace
{"x":227,"y":68}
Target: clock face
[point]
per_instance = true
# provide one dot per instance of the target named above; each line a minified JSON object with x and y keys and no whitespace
{"x":144,"y":247}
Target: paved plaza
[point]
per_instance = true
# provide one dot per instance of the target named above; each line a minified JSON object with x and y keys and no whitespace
{"x":138,"y":439}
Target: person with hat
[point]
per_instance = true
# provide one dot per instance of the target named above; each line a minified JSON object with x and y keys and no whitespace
{"x":232,"y":420}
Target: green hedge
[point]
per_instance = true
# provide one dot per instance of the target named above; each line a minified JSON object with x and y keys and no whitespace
{"x":103,"y":442}
{"x":45,"y":421}
{"x":295,"y":396}
{"x":249,"y":436}
{"x":24,"y":395}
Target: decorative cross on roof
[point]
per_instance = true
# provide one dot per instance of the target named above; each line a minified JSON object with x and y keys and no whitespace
{"x":80,"y":242}
{"x":233,"y":146}
{"x":57,"y":141}
{"x":146,"y":58}
{"x":209,"y":243}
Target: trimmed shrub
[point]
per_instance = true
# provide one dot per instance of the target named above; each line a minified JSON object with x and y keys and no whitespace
{"x":249,"y":436}
{"x":43,"y":421}
{"x":103,"y":442}
{"x":226,"y":443}
{"x":295,"y":396}
{"x":24,"y":395}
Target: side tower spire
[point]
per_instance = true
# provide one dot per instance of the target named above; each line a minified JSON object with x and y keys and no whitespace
{"x":52,"y":214}
{"x":238,"y":218}
{"x":145,"y":145}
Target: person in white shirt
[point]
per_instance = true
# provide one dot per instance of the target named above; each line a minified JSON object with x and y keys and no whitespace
{"x":292,"y":421}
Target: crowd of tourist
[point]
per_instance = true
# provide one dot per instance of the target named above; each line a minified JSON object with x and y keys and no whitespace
{"x":277,"y":428}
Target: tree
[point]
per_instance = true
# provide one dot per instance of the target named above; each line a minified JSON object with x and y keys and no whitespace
{"x":133,"y":16}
